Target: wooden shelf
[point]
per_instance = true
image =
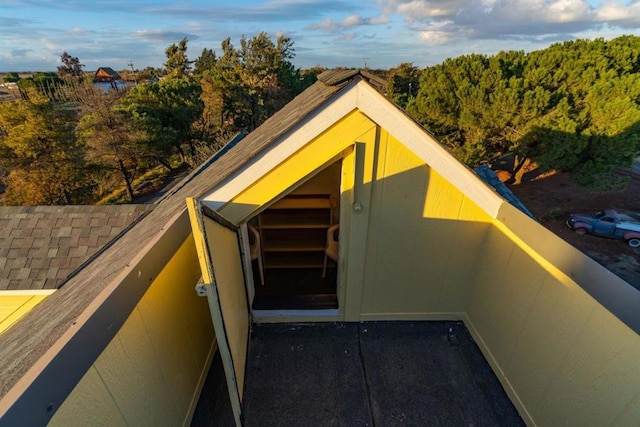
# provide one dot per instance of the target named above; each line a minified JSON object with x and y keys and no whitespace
{"x":300,"y":218}
{"x":293,"y":246}
{"x":294,"y":231}
{"x":294,"y":260}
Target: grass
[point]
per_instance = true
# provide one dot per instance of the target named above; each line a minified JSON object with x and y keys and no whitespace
{"x":554,"y":213}
{"x":150,"y":181}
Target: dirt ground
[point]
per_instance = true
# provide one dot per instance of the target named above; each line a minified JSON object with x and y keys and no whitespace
{"x":552,"y":198}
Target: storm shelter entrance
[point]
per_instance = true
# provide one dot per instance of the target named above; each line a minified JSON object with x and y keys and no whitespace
{"x":294,"y":247}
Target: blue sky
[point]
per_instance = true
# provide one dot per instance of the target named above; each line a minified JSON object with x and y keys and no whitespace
{"x":331,"y":33}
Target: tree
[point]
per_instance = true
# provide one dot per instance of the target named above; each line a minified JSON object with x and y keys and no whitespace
{"x":247,"y":85}
{"x":46,"y":84}
{"x":110,"y":140}
{"x":164,"y":113}
{"x":269,"y":77}
{"x":178,"y":64}
{"x":206,"y":61}
{"x":11,"y":77}
{"x":568,"y":107}
{"x":71,"y":67}
{"x":404,"y":83}
{"x":149,"y":74}
{"x":40,"y":151}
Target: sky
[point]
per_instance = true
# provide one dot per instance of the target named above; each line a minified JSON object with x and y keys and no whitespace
{"x":328,"y":33}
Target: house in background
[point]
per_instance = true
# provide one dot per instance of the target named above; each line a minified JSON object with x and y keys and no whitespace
{"x":128,"y":341}
{"x":106,"y":75}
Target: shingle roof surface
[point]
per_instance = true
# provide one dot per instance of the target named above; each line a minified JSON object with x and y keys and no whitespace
{"x":40,"y":246}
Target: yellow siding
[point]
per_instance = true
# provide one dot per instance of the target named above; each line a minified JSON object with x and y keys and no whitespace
{"x":422,"y":241}
{"x":285,"y":176}
{"x":15,"y":304}
{"x":563,"y":358}
{"x":229,"y":279}
{"x":152,"y":371}
{"x":358,"y":168}
{"x":103,"y":411}
{"x":412,"y":250}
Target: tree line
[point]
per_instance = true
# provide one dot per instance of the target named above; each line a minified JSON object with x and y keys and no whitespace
{"x":69,"y":142}
{"x":573,"y":107}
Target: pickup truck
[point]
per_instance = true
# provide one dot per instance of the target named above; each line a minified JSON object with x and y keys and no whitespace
{"x":608,"y":223}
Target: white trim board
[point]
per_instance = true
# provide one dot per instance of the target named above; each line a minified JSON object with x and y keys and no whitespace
{"x":363,"y":97}
{"x":25,"y":292}
{"x":306,"y":130}
{"x":422,"y":144}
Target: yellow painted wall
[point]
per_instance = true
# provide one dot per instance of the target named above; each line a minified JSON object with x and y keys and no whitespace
{"x":15,"y":304}
{"x":152,"y":371}
{"x":563,"y":358}
{"x":412,"y":249}
{"x":284,"y":177}
{"x":422,"y":241}
{"x":232,"y":297}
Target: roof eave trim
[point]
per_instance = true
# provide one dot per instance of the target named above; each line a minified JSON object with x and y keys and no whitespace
{"x":426,"y":147}
{"x":307,"y":129}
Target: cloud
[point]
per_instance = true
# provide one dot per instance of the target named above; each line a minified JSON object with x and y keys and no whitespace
{"x":165,"y":36}
{"x":415,"y":10}
{"x":442,"y":21}
{"x":271,"y":11}
{"x":20,"y":53}
{"x":358,"y":20}
{"x":329,"y":25}
{"x":217,"y":11}
{"x":7,"y":23}
{"x":80,"y":32}
{"x":326,"y":32}
{"x":347,"y":37}
{"x":617,"y":13}
{"x":439,"y":33}
{"x":353,"y":21}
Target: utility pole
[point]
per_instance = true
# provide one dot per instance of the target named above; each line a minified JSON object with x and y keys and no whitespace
{"x":133,"y":72}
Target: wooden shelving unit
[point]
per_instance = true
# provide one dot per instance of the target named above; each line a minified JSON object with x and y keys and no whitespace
{"x":294,"y":231}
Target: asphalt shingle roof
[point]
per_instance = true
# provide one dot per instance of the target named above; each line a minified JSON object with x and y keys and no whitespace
{"x":41,"y":246}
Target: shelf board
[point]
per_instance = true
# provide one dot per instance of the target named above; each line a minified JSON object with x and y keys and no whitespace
{"x":292,"y":265}
{"x":293,"y":231}
{"x":300,"y":217}
{"x":298,"y":259}
{"x":292,"y":226}
{"x":294,"y":246}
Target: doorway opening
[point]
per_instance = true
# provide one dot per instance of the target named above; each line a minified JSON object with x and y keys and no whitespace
{"x":295,"y":247}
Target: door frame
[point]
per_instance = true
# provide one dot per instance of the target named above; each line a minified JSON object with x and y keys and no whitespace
{"x":347,"y":159}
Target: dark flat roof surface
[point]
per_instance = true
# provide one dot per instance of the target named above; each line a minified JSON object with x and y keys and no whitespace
{"x":363,"y":374}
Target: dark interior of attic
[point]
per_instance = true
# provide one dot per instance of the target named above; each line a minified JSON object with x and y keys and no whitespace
{"x":295,"y":246}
